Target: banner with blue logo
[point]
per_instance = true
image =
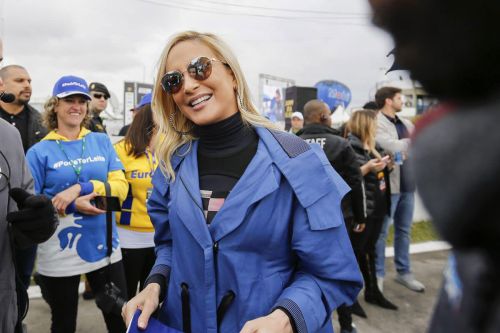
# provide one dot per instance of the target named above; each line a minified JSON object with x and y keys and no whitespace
{"x":334,"y":93}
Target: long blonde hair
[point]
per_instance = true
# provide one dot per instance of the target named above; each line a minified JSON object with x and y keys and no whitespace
{"x":167,"y":141}
{"x":363,"y":124}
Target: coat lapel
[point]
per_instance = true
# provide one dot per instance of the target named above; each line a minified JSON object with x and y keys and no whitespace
{"x":188,"y":199}
{"x":258,"y":181}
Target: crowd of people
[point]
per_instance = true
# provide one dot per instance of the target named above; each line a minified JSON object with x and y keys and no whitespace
{"x":227,"y":223}
{"x":371,"y":153}
{"x":73,"y":162}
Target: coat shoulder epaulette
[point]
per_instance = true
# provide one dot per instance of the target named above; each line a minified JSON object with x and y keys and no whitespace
{"x":291,"y":144}
{"x":311,"y":177}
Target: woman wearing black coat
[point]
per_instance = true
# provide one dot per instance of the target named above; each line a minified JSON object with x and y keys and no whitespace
{"x":375,"y":170}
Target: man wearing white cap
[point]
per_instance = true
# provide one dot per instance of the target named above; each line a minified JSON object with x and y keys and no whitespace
{"x":297,"y":122}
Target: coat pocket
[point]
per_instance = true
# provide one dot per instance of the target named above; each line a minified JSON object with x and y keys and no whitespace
{"x":325,"y":213}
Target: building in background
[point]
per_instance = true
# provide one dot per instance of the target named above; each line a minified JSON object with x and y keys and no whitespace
{"x":132,"y":94}
{"x":272,"y":97}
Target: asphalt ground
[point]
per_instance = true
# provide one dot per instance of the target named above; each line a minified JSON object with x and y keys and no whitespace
{"x":414,"y":312}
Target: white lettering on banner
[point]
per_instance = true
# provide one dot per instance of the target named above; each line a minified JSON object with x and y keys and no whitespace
{"x":320,"y":141}
{"x":78,"y":161}
{"x":65,"y":84}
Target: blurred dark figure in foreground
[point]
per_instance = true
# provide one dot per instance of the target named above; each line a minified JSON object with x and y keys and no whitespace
{"x":452,"y":48}
{"x":25,"y":220}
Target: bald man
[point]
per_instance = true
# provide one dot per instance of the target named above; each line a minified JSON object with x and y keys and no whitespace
{"x":27,"y":120}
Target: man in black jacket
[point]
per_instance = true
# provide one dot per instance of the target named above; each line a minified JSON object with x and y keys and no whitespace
{"x":317,"y":129}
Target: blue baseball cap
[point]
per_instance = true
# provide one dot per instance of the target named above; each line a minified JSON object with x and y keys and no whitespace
{"x":71,"y":85}
{"x":146,"y":99}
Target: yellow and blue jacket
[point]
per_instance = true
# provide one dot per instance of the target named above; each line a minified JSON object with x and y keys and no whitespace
{"x":138,"y":172}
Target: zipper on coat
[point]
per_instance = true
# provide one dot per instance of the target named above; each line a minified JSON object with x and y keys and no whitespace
{"x":186,"y":311}
{"x":226,"y":300}
{"x":215,"y":247}
{"x":216,"y":250}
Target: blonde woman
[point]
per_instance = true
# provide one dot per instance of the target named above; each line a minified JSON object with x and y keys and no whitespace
{"x":248,"y":225}
{"x":362,"y":127}
{"x":71,"y":166}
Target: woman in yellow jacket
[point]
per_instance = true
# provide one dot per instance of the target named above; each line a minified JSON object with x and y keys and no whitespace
{"x":134,"y":226}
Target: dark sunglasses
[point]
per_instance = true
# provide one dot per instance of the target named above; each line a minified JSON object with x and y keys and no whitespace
{"x":199,"y":69}
{"x":99,"y":96}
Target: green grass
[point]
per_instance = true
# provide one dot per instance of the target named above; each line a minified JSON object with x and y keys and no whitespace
{"x":422,"y":231}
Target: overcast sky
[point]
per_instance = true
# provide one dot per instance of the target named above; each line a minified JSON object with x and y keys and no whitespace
{"x":112,"y":41}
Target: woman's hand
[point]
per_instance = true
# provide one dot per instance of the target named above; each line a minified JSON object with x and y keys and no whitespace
{"x":390,"y":163}
{"x":147,"y":300}
{"x":276,"y":322}
{"x":373,"y":165}
{"x":84,"y":206}
{"x":62,"y":199}
{"x":377,"y":165}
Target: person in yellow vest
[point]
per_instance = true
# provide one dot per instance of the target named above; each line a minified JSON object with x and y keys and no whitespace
{"x":134,"y":226}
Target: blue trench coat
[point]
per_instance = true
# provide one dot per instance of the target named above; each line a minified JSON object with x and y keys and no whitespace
{"x":279,"y":240}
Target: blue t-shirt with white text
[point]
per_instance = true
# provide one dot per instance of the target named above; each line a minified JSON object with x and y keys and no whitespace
{"x":79,"y":244}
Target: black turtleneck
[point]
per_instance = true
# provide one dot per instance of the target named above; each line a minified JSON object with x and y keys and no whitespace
{"x":224,"y":151}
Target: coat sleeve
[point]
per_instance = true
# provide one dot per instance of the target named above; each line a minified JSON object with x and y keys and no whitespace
{"x":384,"y":137}
{"x":37,"y":169}
{"x":327,"y":274}
{"x":158,"y":212}
{"x":27,"y":181}
{"x":117,"y":182}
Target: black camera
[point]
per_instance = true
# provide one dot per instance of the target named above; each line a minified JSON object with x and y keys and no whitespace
{"x":109,"y":300}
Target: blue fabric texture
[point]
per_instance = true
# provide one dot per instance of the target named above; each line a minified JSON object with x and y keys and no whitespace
{"x":71,"y":208}
{"x":87,"y":188}
{"x":292,"y":146}
{"x":154,"y":326}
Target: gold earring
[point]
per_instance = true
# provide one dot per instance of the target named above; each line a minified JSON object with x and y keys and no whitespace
{"x":240,"y":102}
{"x":171,"y":121}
